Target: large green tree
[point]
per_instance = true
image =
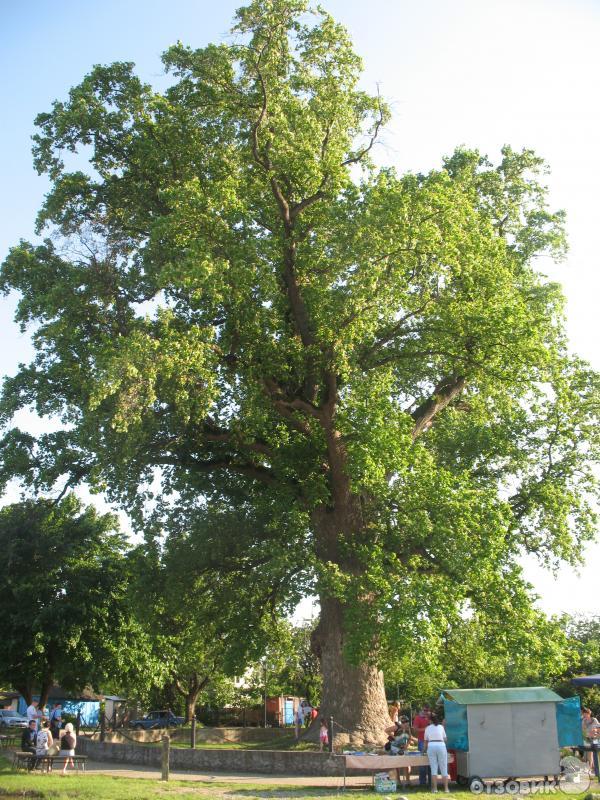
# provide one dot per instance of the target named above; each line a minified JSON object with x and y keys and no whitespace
{"x":63,"y":596}
{"x":238,"y":306}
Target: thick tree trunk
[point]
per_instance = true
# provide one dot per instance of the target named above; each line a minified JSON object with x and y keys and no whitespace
{"x":26,"y":691}
{"x":353,"y":695}
{"x":45,"y":691}
{"x":190,"y":705}
{"x":191,"y":691}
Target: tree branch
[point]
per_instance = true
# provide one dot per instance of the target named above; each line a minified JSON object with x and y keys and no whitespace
{"x":254,"y":471}
{"x":362,"y":153}
{"x":445,"y":391}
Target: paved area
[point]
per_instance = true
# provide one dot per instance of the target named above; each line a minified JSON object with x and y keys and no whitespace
{"x":126,"y":771}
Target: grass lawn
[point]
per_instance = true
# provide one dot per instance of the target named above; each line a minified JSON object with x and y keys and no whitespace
{"x":281,"y":743}
{"x":106,"y":787}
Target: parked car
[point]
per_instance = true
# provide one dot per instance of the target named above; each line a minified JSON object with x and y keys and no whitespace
{"x":156,"y":719}
{"x":12,"y":719}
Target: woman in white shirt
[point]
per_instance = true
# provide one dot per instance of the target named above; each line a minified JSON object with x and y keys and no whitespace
{"x":435,"y":747}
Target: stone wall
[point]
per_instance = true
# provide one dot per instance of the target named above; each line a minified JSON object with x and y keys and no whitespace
{"x":279,"y":762}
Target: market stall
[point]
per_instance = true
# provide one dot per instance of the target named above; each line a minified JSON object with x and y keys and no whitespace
{"x":509,"y":733}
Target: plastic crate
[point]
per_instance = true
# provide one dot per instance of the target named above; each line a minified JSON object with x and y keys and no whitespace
{"x":384,"y":784}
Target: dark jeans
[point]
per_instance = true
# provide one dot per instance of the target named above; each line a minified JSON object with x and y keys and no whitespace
{"x":32,"y":760}
{"x":424,"y":772}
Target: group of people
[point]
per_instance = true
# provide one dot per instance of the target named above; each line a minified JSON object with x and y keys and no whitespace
{"x":46,"y":736}
{"x":429,"y":736}
{"x":305,"y":715}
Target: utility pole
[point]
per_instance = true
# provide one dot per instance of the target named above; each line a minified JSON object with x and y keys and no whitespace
{"x":265,"y":684}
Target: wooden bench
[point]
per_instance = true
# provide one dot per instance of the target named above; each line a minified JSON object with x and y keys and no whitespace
{"x":28,"y":761}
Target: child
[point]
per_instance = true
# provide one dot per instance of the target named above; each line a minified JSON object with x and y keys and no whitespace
{"x":323,"y":735}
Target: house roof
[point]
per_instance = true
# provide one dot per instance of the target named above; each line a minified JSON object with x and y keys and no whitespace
{"x":8,"y":695}
{"x":524,"y":694}
{"x":57,"y":693}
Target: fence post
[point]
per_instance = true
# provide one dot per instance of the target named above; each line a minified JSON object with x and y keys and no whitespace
{"x":102,"y":726}
{"x":330,"y":734}
{"x":78,"y":722}
{"x":193,"y":734}
{"x":166,"y":745}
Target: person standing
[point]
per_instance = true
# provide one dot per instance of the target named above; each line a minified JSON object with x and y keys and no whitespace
{"x":307,"y":713}
{"x":56,"y":720}
{"x":435,"y":747}
{"x":299,"y":720}
{"x":589,"y":727}
{"x":68,"y":743}
{"x":33,"y":713}
{"x":420,"y":723}
{"x":323,"y":735}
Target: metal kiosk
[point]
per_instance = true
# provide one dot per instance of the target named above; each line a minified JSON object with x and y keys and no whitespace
{"x":509,"y":733}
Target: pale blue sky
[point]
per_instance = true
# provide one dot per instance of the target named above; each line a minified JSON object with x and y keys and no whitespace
{"x":475,"y":72}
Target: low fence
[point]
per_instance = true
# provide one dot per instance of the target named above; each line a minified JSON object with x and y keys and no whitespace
{"x":282,"y":762}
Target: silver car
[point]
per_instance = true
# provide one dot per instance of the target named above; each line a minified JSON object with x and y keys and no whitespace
{"x":12,"y":719}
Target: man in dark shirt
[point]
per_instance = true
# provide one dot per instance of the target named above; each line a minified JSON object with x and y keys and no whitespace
{"x":56,"y":721}
{"x":420,"y":722}
{"x":28,"y":740}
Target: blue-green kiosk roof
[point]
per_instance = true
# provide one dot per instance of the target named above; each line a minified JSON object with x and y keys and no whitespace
{"x":526,"y":694}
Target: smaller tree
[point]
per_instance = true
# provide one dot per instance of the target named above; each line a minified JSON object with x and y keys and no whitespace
{"x":293,"y":667}
{"x":475,"y":651}
{"x":203,"y":628}
{"x":63,"y":598}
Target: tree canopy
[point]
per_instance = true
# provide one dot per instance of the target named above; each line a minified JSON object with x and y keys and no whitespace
{"x":64,"y":600}
{"x":238,"y":307}
{"x":192,"y":595}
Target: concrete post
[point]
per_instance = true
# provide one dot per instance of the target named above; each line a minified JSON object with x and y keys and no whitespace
{"x":166,"y":746}
{"x":330,"y":734}
{"x":193,"y":734}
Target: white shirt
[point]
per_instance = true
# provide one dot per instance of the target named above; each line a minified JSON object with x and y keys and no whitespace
{"x":435,"y":733}
{"x":32,"y":714}
{"x":41,"y":746}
